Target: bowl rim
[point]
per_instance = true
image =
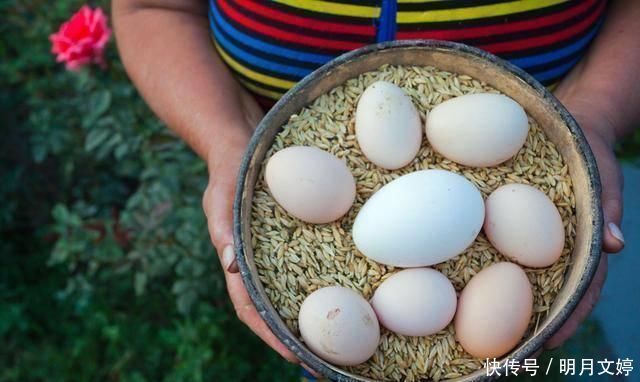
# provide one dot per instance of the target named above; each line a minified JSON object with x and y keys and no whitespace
{"x":253,"y":284}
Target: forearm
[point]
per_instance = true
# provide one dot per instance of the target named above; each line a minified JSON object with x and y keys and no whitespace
{"x":166,"y":49}
{"x":607,"y":81}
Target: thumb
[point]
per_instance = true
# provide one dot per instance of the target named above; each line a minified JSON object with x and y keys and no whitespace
{"x":218,"y":207}
{"x":611,"y":197}
{"x":217,"y":201}
{"x":613,"y":240}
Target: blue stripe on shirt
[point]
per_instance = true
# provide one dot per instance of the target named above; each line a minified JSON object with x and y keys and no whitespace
{"x":254,"y":60}
{"x":291,"y":54}
{"x":556,"y":72}
{"x":540,"y":59}
{"x":386,"y":24}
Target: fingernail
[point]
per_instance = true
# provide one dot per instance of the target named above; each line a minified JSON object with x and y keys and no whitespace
{"x":229,"y":259}
{"x":616,"y":232}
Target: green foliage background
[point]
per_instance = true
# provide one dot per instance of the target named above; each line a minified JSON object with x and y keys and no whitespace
{"x":106,"y":269}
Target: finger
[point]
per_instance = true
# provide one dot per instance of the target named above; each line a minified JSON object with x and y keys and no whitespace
{"x":217,"y":203}
{"x":220,"y":228}
{"x":248,"y":314}
{"x":218,"y":207}
{"x":221,"y":235}
{"x":584,"y":308}
{"x":613,"y":239}
{"x":611,"y":197}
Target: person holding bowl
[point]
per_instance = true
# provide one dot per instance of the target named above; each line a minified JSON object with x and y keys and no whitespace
{"x":209,"y":70}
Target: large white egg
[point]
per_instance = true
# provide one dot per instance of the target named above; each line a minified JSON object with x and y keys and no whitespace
{"x":310,"y":184}
{"x":415,"y":302}
{"x":388,"y":127}
{"x":524,"y":225}
{"x":422,"y":218}
{"x":339,"y":326}
{"x":478,"y":130}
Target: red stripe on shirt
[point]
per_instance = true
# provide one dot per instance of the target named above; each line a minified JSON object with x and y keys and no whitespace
{"x":534,"y":42}
{"x":488,"y":30}
{"x":309,"y":23}
{"x":285,"y":35}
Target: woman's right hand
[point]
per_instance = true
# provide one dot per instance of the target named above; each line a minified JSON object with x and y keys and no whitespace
{"x":224,"y":162}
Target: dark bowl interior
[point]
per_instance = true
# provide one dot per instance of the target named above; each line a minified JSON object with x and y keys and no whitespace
{"x":551,"y":116}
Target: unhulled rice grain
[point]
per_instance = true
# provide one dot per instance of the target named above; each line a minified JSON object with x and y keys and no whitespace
{"x":294,"y":258}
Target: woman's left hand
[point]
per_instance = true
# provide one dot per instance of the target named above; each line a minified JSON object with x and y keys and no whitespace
{"x":600,"y":135}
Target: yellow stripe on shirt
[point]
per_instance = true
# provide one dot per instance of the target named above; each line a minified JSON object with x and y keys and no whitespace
{"x":258,"y":90}
{"x":332,"y":8}
{"x":476,"y":12}
{"x":258,"y":77}
{"x":455,"y":14}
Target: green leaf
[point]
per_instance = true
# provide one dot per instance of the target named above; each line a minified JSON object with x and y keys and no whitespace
{"x":199,"y":268}
{"x":186,"y":300}
{"x":180,"y":286}
{"x":121,"y":150}
{"x":59,"y":254}
{"x":95,"y":138}
{"x":140,"y":283}
{"x":60,"y":213}
{"x":39,"y":152}
{"x":99,"y":102}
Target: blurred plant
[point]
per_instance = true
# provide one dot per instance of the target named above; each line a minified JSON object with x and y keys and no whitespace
{"x":106,"y":269}
{"x":129,"y":191}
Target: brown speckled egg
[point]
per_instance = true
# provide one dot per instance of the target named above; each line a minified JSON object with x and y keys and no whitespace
{"x":339,"y":326}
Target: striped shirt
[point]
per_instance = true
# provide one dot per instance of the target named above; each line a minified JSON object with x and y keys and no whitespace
{"x":271,"y":45}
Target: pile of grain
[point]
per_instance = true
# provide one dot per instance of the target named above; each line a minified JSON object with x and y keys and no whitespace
{"x":295,"y":258}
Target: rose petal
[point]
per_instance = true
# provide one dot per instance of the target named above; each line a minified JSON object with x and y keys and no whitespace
{"x":81,"y":39}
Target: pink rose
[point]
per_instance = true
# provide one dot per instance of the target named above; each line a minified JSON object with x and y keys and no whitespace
{"x":82,"y":39}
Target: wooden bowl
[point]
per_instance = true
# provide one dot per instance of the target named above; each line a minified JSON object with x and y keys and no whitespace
{"x":552,"y":117}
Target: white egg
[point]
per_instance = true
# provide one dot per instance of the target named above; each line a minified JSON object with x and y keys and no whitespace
{"x":339,"y":326}
{"x":415,"y":302}
{"x":478,"y":130}
{"x":419,"y":219}
{"x":388,"y":127}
